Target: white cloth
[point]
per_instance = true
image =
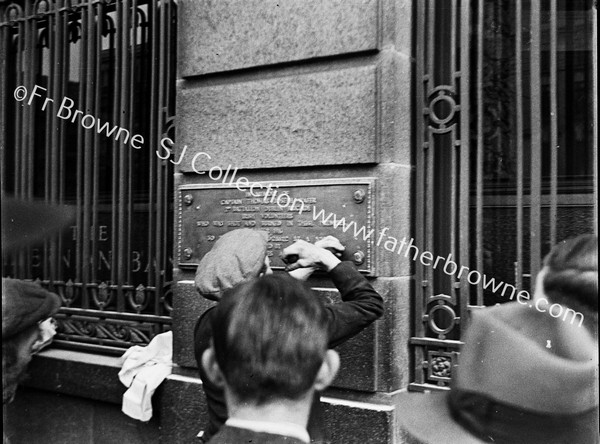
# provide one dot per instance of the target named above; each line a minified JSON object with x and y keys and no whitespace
{"x":143,"y":369}
{"x":46,"y":334}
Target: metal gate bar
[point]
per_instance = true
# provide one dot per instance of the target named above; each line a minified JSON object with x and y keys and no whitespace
{"x":499,"y":81}
{"x":115,"y":59}
{"x":535,"y":193}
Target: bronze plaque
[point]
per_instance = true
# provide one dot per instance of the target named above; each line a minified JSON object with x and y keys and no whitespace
{"x":288,"y":210}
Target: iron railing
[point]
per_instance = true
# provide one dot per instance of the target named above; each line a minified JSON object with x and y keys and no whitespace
{"x":115,"y":61}
{"x":506,"y":148}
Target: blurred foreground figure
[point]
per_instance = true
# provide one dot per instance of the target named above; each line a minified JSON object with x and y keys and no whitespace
{"x":269,"y":353}
{"x":26,"y":329}
{"x":570,"y":278}
{"x":523,"y":376}
{"x":26,"y":306}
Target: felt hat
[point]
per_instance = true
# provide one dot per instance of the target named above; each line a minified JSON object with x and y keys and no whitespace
{"x":25,"y":222}
{"x":522,"y":377}
{"x":25,"y":304}
{"x":237,"y":256}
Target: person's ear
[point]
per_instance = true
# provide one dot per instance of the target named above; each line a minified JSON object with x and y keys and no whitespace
{"x":211,"y":367}
{"x":328,"y":370}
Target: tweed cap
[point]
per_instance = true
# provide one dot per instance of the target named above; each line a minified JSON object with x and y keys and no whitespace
{"x":25,"y":304}
{"x":237,"y":256}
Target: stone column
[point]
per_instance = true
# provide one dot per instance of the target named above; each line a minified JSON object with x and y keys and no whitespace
{"x":298,"y":90}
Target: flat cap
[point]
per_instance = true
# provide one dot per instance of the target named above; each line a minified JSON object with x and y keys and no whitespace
{"x":25,"y":304}
{"x":237,"y":256}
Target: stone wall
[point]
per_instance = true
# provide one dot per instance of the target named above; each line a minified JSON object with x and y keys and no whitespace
{"x":296,"y":90}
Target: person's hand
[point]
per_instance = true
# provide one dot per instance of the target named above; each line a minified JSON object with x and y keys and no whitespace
{"x":310,"y":256}
{"x":331,"y":243}
{"x":301,"y":274}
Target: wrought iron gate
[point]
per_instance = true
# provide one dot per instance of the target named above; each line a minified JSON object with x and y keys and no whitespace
{"x":114,"y":61}
{"x":506,"y":153}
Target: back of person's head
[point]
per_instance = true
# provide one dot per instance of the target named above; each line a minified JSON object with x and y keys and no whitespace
{"x":571,"y":276}
{"x":270,"y":339}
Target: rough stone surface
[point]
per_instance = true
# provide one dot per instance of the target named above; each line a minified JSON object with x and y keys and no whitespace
{"x":184,"y":409}
{"x":318,"y":118}
{"x":37,"y":416}
{"x":234,"y":34}
{"x":77,"y":373}
{"x":393,"y":221}
{"x":357,"y":355}
{"x":395,"y":97}
{"x":393,"y":355}
{"x":188,"y":305}
{"x":358,"y":424}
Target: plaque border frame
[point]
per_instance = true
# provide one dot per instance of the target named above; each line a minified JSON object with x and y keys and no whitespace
{"x":370,"y":182}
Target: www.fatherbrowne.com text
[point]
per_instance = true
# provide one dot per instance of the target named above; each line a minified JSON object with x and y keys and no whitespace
{"x":66,"y":111}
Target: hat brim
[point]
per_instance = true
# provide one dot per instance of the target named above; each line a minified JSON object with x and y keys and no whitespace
{"x":425,"y":419}
{"x":25,"y":223}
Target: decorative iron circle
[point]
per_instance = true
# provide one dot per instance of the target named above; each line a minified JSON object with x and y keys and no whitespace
{"x":447,"y":310}
{"x":440,"y":98}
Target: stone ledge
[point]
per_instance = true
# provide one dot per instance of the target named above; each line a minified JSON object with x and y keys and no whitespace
{"x":77,"y":373}
{"x":358,"y":422}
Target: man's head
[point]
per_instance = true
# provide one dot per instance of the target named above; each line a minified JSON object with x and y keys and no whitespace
{"x":237,"y":256}
{"x":24,"y":306}
{"x":270,"y":342}
{"x":570,"y":276}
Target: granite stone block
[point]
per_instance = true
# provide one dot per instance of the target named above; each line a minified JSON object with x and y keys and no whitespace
{"x":235,"y":34}
{"x":76,"y":373}
{"x":318,"y":118}
{"x":38,"y":416}
{"x":188,"y":306}
{"x":393,"y":355}
{"x":357,"y":354}
{"x":184,"y":411}
{"x":354,"y":423}
{"x":393,"y":220}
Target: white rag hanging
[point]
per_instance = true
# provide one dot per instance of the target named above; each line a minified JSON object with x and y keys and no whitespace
{"x":142,"y":370}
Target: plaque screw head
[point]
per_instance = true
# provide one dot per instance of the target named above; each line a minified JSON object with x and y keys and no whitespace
{"x":359,"y":196}
{"x":359,"y":257}
{"x":187,"y":253}
{"x":188,"y":199}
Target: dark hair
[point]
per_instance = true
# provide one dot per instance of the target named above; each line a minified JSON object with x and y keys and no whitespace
{"x":270,"y":338}
{"x":572,"y":277}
